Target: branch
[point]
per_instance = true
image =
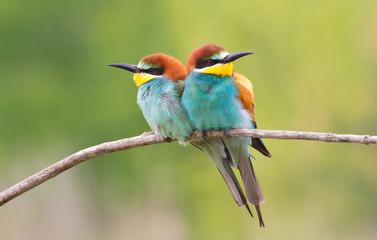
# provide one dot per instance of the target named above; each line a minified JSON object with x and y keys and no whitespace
{"x":149,"y":138}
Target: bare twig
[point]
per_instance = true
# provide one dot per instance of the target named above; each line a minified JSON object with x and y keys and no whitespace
{"x":149,"y":138}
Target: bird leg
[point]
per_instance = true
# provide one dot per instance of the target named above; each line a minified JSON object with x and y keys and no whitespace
{"x":204,"y":134}
{"x":226,"y":133}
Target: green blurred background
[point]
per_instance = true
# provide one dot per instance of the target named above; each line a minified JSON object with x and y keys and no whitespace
{"x":315,"y":69}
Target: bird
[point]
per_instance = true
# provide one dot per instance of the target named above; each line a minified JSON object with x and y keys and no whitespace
{"x":217,"y":97}
{"x":159,"y":78}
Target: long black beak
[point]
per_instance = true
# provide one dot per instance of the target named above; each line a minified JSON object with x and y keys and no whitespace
{"x":128,"y":67}
{"x":234,"y":56}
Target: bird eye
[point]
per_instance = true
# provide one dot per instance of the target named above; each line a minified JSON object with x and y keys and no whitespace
{"x":206,"y":63}
{"x":154,"y":71}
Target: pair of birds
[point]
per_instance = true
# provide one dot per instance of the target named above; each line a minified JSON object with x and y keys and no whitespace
{"x":206,"y":95}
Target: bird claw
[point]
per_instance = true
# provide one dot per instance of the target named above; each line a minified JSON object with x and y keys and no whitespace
{"x":204,"y":133}
{"x":226,"y":133}
{"x":168,"y":139}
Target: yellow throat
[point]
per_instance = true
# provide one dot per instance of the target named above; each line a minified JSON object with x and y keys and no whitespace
{"x":225,"y":70}
{"x":141,"y":78}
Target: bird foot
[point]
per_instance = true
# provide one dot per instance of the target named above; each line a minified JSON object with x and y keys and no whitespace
{"x":204,"y":133}
{"x":226,"y":133}
{"x":168,"y":139}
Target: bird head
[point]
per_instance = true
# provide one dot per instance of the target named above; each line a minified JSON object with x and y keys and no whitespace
{"x":213,"y":59}
{"x":155,"y":66}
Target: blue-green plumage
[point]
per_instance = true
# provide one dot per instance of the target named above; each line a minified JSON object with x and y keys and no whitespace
{"x":160,"y":80}
{"x":159,"y":100}
{"x":211,"y":102}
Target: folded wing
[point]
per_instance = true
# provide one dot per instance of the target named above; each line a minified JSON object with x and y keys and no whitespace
{"x":246,"y":97}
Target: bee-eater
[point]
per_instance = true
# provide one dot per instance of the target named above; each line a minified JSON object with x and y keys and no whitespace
{"x":159,"y":78}
{"x":216,"y":97}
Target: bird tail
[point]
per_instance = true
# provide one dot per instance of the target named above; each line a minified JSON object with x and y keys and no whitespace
{"x":252,"y":188}
{"x":219,"y":154}
{"x":234,"y":187}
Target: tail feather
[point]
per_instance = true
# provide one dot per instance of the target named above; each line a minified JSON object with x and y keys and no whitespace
{"x":235,"y":188}
{"x":226,"y":153}
{"x":259,"y":212}
{"x":228,"y":163}
{"x":252,"y":188}
{"x":238,"y":150}
{"x":218,"y":152}
{"x":232,"y":182}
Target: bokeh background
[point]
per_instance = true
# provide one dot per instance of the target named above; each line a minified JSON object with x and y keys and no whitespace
{"x":314,"y":69}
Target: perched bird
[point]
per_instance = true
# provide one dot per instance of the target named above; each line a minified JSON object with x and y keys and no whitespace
{"x":160,"y":80}
{"x":216,"y":97}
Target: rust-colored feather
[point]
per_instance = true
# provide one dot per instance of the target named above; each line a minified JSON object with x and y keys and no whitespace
{"x":246,"y":93}
{"x":202,"y":53}
{"x":247,"y":99}
{"x":174,"y":69}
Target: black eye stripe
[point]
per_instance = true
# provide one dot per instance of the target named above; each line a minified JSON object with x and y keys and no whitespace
{"x":206,"y":63}
{"x":153,"y":71}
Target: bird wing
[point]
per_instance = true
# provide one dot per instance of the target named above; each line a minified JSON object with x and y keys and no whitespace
{"x":246,"y":96}
{"x":246,"y":93}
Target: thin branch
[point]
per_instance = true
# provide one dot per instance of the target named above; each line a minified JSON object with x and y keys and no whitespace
{"x":149,"y":138}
